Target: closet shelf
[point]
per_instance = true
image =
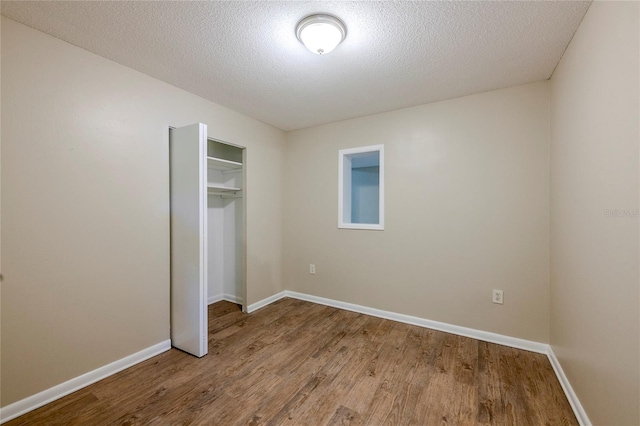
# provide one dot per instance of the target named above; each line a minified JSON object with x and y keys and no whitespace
{"x":220,"y":164}
{"x":213,"y":188}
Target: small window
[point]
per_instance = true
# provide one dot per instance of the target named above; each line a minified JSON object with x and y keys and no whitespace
{"x":361,"y":188}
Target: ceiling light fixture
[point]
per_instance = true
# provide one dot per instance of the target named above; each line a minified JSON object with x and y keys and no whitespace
{"x":321,"y":33}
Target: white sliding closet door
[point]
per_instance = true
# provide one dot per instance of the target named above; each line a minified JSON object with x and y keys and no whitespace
{"x":188,"y":170}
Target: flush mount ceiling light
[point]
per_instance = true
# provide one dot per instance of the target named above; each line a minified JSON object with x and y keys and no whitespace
{"x":321,"y":33}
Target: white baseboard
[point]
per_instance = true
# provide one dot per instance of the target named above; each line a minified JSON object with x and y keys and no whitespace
{"x":485,"y":336}
{"x":226,"y":296}
{"x":32,"y":402}
{"x":214,"y":299}
{"x":578,"y":410}
{"x":232,"y":298}
{"x":264,"y":302}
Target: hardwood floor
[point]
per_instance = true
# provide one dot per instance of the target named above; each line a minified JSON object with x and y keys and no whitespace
{"x":296,"y":362}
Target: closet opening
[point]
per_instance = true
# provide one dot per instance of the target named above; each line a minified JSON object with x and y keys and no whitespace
{"x":226,"y":221}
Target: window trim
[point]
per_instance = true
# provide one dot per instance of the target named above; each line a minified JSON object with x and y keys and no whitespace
{"x":341,"y":188}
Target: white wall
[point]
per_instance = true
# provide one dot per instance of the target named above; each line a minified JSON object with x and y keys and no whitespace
{"x":225,"y":256}
{"x":233,"y":259}
{"x":215,"y":241}
{"x":85,"y":208}
{"x":225,"y":239}
{"x":467,"y":204}
{"x":595,"y":321}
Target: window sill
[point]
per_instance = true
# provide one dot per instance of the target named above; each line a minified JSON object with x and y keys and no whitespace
{"x":365,"y":226}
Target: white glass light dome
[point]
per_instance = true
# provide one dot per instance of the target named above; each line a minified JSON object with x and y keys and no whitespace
{"x":321,"y":33}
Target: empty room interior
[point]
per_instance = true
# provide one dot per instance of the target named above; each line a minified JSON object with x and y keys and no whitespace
{"x":211,"y":213}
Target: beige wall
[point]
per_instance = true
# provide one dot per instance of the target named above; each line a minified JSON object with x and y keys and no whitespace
{"x":467,"y":192}
{"x":595,"y":330}
{"x":85,"y":199}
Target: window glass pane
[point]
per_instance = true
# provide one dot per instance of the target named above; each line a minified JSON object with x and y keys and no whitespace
{"x":365,"y":194}
{"x":361,"y":188}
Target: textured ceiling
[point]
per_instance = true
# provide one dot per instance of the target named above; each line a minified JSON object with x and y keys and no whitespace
{"x":245,"y":55}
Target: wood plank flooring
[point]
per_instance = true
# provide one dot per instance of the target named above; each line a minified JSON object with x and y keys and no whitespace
{"x":299,"y":363}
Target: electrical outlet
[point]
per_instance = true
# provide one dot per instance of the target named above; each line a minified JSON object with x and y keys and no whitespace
{"x":498,"y":297}
{"x":312,"y":269}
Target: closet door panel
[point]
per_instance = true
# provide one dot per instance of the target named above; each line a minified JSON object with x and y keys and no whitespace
{"x":188,"y":238}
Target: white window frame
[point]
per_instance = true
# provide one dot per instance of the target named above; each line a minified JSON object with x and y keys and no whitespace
{"x":344,"y":188}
